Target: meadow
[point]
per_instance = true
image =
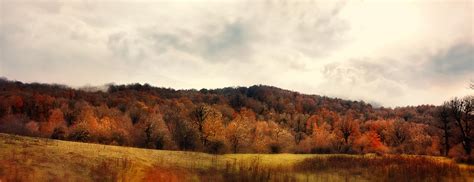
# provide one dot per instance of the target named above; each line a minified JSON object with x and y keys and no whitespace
{"x":38,"y":159}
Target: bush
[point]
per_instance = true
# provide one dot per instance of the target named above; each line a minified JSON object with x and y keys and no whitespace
{"x":80,"y":135}
{"x":464,"y":159}
{"x":317,"y":150}
{"x":119,"y":138}
{"x":59,"y":133}
{"x":160,"y":142}
{"x":111,"y":170}
{"x":385,"y":168}
{"x":216,"y":147}
{"x":275,"y":148}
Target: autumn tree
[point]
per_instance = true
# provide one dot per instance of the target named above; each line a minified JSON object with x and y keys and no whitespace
{"x":370,"y":142}
{"x":136,"y":113}
{"x":298,"y":126}
{"x":39,"y":106}
{"x":347,"y":128}
{"x":260,"y":119}
{"x":322,"y":139}
{"x":398,"y":134}
{"x":270,"y":137}
{"x":14,"y":124}
{"x":311,"y":122}
{"x":55,"y":120}
{"x":198,"y":117}
{"x":213,"y":132}
{"x":308,"y":105}
{"x":155,"y":133}
{"x":17,"y":104}
{"x":237,"y":135}
{"x":4,"y":106}
{"x":281,"y":139}
{"x":419,"y":141}
{"x":381,"y":127}
{"x":238,"y":131}
{"x":261,"y":137}
{"x":186,"y":136}
{"x":84,"y":129}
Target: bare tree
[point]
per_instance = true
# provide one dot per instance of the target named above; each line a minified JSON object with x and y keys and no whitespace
{"x":462,"y":111}
{"x":444,"y":123}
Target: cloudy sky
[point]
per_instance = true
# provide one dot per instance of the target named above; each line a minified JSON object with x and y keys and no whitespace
{"x":394,"y":53}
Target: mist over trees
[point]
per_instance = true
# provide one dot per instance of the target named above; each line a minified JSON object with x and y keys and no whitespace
{"x":256,"y":119}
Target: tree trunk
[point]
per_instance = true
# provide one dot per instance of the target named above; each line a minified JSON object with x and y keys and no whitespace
{"x":446,"y":139}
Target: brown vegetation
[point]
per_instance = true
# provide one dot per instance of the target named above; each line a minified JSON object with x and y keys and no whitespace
{"x":33,"y":159}
{"x":385,"y":168}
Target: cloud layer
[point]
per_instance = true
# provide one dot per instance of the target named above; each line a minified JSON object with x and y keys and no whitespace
{"x":390,"y":52}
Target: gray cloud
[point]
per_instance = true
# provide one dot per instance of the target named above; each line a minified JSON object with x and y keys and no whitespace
{"x":348,"y":49}
{"x":446,"y":69}
{"x":364,"y":74}
{"x":126,"y":47}
{"x":232,"y":42}
{"x":454,"y":62}
{"x":243,"y":36}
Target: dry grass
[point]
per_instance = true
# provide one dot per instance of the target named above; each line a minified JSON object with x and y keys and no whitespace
{"x":33,"y":159}
{"x":385,"y":168}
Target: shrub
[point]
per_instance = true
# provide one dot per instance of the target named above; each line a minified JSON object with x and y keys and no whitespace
{"x":80,"y":135}
{"x":58,"y":133}
{"x":119,"y":138}
{"x":111,"y":170}
{"x":275,"y":148}
{"x":385,"y":168}
{"x":216,"y":147}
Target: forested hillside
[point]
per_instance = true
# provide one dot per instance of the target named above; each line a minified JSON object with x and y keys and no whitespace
{"x":257,"y":119}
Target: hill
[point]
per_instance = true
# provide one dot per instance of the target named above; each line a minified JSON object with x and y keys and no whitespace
{"x":256,"y":119}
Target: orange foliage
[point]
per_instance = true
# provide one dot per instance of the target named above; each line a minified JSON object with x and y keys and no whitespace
{"x":55,"y":120}
{"x":370,"y":142}
{"x":238,"y":133}
{"x":254,"y":119}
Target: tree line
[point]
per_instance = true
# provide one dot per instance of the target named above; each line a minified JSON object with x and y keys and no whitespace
{"x":256,"y":119}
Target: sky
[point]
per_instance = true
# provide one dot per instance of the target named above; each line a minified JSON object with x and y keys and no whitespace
{"x":392,"y":53}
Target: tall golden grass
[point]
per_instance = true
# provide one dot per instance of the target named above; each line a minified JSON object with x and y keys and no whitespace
{"x":32,"y":159}
{"x":385,"y":168}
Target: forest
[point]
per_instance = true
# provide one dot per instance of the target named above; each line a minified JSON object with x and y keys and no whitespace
{"x":256,"y":119}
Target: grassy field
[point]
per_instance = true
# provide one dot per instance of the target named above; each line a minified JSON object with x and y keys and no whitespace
{"x":36,"y":159}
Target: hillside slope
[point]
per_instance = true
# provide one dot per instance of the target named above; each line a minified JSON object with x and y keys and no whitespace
{"x":37,"y":159}
{"x":256,"y":119}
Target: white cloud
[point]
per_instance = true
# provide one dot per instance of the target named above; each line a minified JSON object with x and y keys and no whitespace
{"x":390,"y":52}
